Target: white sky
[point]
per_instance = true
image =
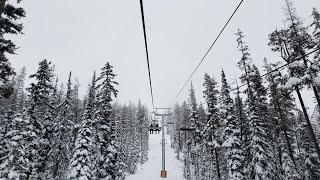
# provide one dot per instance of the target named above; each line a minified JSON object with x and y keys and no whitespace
{"x":83,"y":35}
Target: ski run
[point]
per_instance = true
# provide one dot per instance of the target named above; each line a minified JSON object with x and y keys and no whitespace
{"x":151,"y":169}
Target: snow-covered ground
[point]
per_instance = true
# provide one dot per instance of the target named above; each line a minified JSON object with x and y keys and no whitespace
{"x":151,"y":169}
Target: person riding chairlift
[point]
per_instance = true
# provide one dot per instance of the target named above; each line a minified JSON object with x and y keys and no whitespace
{"x":157,"y":130}
{"x":151,"y":129}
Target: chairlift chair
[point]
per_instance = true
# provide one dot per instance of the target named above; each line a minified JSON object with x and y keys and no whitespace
{"x":154,"y":127}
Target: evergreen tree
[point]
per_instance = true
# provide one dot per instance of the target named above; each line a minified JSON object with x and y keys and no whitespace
{"x":16,"y":163}
{"x":240,"y":114}
{"x":76,"y":102}
{"x":194,"y":115}
{"x":39,"y":100}
{"x":310,"y":159}
{"x":293,"y":42}
{"x":9,"y":15}
{"x":143,"y":127}
{"x":62,"y":137}
{"x":281,"y":111}
{"x":195,"y":142}
{"x":177,"y":144}
{"x":256,"y":148}
{"x":231,"y":134}
{"x":124,"y":127}
{"x":133,"y":158}
{"x":39,"y":92}
{"x":213,"y":127}
{"x":108,"y":162}
{"x":244,"y":65}
{"x":316,"y":31}
{"x":202,"y":116}
{"x":185,"y":122}
{"x":48,"y":124}
{"x":18,"y":97}
{"x":260,"y":148}
{"x":82,"y":164}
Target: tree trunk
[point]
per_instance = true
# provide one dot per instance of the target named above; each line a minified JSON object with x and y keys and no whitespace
{"x":313,"y":137}
{"x":279,"y":151}
{"x":284,"y":128}
{"x":217,"y":164}
{"x":283,"y":125}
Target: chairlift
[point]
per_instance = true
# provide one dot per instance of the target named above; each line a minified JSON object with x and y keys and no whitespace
{"x":154,"y":127}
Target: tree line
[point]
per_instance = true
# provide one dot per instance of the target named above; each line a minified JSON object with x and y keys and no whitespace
{"x":48,"y":132}
{"x":260,"y":132}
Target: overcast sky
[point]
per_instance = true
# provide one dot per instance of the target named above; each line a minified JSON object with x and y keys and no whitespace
{"x":82,"y":36}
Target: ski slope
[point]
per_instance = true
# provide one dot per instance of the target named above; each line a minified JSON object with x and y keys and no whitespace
{"x":150,"y":170}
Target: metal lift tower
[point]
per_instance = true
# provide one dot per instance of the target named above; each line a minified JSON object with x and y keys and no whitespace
{"x":163,"y":172}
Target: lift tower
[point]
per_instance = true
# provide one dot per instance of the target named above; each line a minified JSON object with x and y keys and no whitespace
{"x":167,"y":112}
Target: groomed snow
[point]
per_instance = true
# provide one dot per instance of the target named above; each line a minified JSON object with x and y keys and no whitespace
{"x":150,"y":170}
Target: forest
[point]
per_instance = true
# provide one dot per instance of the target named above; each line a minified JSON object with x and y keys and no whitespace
{"x":259,"y":129}
{"x":48,"y":132}
{"x":256,"y":131}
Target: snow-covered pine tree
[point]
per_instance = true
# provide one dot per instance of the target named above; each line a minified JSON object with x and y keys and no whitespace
{"x":140,"y":119}
{"x":9,"y":15}
{"x":108,"y":162}
{"x":299,"y":42}
{"x":61,"y":93}
{"x":49,"y":121}
{"x":9,"y":107}
{"x":19,"y":94}
{"x":124,"y":132}
{"x":194,"y":116}
{"x":39,"y":91}
{"x":176,"y":115}
{"x":202,"y":116}
{"x":76,"y":102}
{"x":143,"y":127}
{"x":315,"y":67}
{"x":281,"y":108}
{"x":195,"y":137}
{"x":316,"y":25}
{"x":202,"y":151}
{"x":82,"y":165}
{"x":241,"y":115}
{"x":211,"y":131}
{"x":290,"y":173}
{"x":231,"y":134}
{"x":20,"y":138}
{"x":293,"y":42}
{"x":256,"y":148}
{"x":311,"y":163}
{"x":39,"y":101}
{"x":133,"y":157}
{"x":62,"y":141}
{"x":260,"y":147}
{"x":185,"y":122}
{"x":243,"y":65}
